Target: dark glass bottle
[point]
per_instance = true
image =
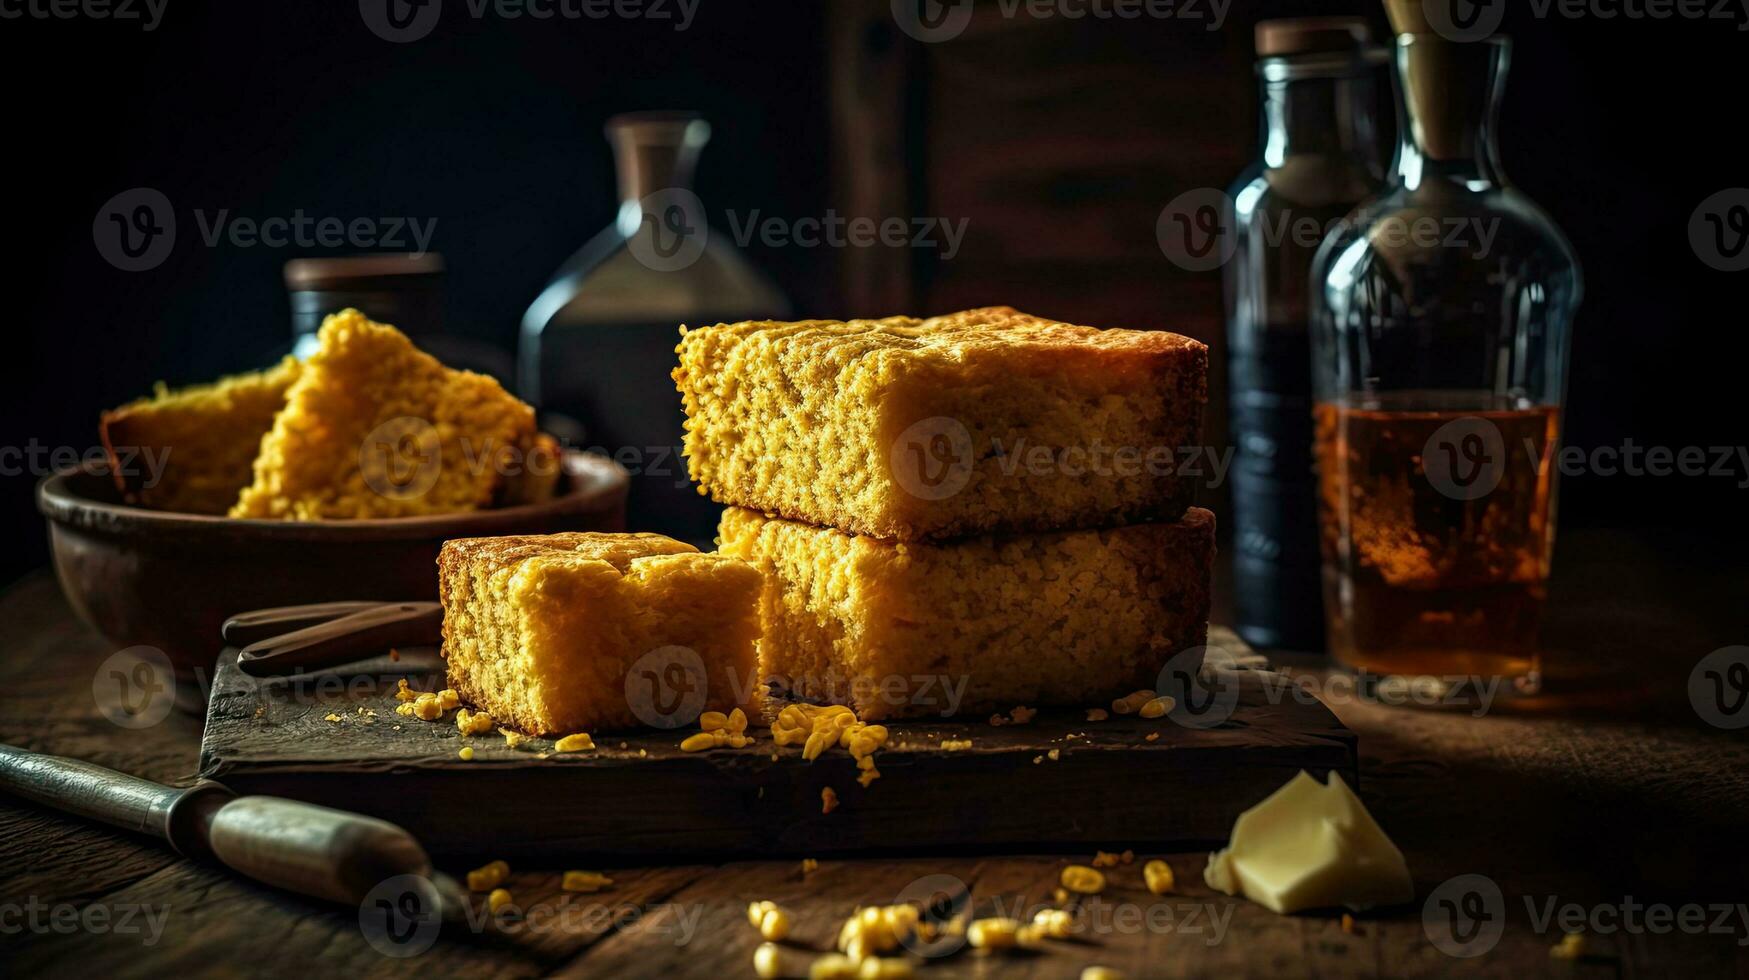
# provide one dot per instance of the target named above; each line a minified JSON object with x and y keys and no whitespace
{"x":597,"y":346}
{"x":1320,"y":157}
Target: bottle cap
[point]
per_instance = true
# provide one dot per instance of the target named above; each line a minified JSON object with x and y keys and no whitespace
{"x":386,"y":271}
{"x":1311,"y":35}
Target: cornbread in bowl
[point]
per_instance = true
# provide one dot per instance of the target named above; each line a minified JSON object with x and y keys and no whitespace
{"x":169,"y":580}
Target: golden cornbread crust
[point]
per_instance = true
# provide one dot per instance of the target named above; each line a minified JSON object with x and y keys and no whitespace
{"x":541,"y":631}
{"x":206,"y":436}
{"x":988,"y":420}
{"x":1061,"y":618}
{"x":374,"y":427}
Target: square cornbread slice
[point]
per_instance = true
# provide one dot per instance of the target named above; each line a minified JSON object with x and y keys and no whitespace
{"x":192,"y":449}
{"x":582,"y":632}
{"x":374,"y":427}
{"x":987,"y":420}
{"x":977,"y":625}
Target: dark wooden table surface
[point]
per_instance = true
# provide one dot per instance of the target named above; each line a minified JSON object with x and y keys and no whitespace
{"x":1610,"y":791}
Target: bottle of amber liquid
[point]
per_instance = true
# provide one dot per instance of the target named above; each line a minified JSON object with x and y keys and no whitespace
{"x":1441,"y":324}
{"x":1320,"y":158}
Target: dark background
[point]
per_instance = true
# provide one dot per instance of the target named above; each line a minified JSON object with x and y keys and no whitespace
{"x":1059,"y":141}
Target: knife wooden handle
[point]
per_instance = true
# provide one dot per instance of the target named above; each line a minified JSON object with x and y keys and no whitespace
{"x":312,"y":849}
{"x":364,"y":633}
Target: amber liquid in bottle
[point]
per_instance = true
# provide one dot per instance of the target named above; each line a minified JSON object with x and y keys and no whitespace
{"x":1437,"y":523}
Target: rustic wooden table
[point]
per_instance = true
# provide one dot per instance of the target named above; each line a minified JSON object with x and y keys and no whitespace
{"x":1608,"y":799}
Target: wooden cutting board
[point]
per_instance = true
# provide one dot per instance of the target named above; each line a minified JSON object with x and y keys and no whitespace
{"x":335,"y":739}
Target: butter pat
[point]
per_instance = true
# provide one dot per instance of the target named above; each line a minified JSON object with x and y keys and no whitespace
{"x":1309,"y":846}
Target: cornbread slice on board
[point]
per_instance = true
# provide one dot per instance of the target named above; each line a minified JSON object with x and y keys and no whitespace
{"x":582,"y":632}
{"x":893,"y":629}
{"x":204,"y":438}
{"x":987,"y":420}
{"x":374,"y":427}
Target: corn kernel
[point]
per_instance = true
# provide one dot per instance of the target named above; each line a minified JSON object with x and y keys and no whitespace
{"x":710,"y":721}
{"x":1571,"y":947}
{"x":868,"y":775}
{"x":1061,"y":896}
{"x":497,"y":900}
{"x":1157,"y":707}
{"x":885,"y":968}
{"x":737,"y":721}
{"x":473,"y":723}
{"x":1055,"y":923}
{"x":767,"y":962}
{"x":817,"y":743}
{"x":997,"y":933}
{"x":774,"y":925}
{"x":403,"y":692}
{"x":756,"y":912}
{"x":1101,"y":973}
{"x":1021,"y":715}
{"x":1158,"y":875}
{"x":467,"y":753}
{"x":832,"y":966}
{"x":809,"y":864}
{"x":828,"y":799}
{"x":1083,"y":880}
{"x":1104,"y":859}
{"x":488,"y":877}
{"x":584,"y":881}
{"x":698,"y":742}
{"x":448,"y":700}
{"x":1348,"y":923}
{"x":575,"y":743}
{"x":955,"y":744}
{"x":404,"y":708}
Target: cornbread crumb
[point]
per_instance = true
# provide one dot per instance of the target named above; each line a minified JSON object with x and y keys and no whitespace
{"x":868,"y":776}
{"x":1130,"y":703}
{"x":698,"y":742}
{"x":584,"y":881}
{"x":488,"y":876}
{"x":1128,"y":856}
{"x":809,"y":864}
{"x":498,"y":898}
{"x":467,"y":753}
{"x":542,"y":630}
{"x":574,"y":743}
{"x":1348,"y":923}
{"x":512,"y":739}
{"x":403,"y":692}
{"x":473,"y":723}
{"x":955,"y":744}
{"x":1571,"y":947}
{"x":1158,"y":877}
{"x":828,"y":799}
{"x":427,"y":708}
{"x":1054,"y":755}
{"x":365,"y":390}
{"x":1151,"y":737}
{"x":448,"y":699}
{"x":993,"y":933}
{"x":330,"y":716}
{"x":811,"y":420}
{"x":1157,"y":707}
{"x":847,"y":619}
{"x":1105,"y":859}
{"x":1055,"y":923}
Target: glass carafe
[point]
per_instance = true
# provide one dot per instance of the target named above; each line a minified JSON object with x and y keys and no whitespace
{"x":1442,"y":316}
{"x":597,"y":346}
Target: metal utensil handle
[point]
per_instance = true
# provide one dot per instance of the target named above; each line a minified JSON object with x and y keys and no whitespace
{"x":265,"y":624}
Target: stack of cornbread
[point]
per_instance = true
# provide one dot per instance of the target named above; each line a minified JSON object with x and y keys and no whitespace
{"x":964,"y":513}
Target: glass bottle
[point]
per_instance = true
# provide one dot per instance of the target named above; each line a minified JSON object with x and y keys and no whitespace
{"x":1442,"y":317}
{"x":1320,"y":157}
{"x":597,"y":345}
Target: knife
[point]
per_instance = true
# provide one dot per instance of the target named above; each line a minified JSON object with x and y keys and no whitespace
{"x":300,"y":847}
